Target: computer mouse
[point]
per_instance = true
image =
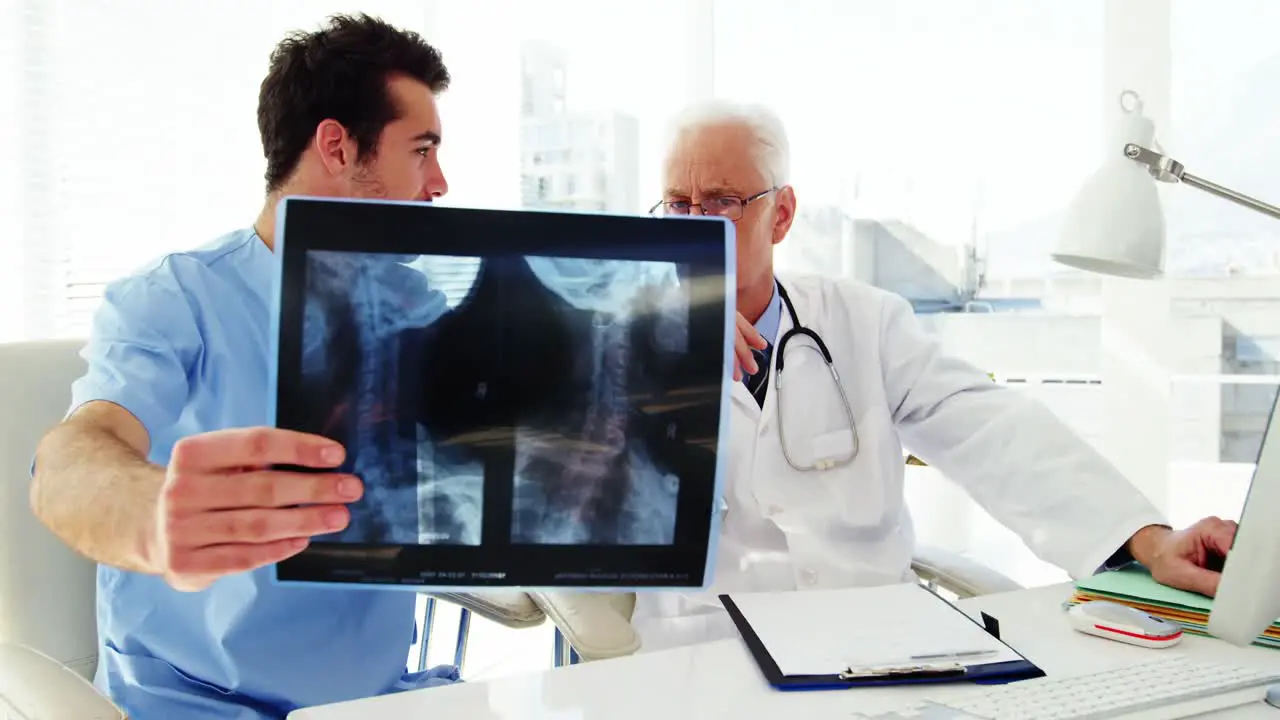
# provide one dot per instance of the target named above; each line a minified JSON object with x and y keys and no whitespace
{"x":1273,"y":696}
{"x":1124,"y":624}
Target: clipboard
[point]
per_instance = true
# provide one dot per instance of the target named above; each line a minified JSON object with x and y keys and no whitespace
{"x":1010,"y":666}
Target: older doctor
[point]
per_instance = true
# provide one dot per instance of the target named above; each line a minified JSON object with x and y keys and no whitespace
{"x":825,"y":508}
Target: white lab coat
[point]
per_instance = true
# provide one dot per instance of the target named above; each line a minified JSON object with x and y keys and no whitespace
{"x":849,"y":526}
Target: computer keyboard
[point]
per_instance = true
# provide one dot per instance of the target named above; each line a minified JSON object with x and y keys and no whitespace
{"x":1166,"y":688}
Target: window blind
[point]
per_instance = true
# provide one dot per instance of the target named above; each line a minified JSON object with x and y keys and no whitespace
{"x":135,"y":136}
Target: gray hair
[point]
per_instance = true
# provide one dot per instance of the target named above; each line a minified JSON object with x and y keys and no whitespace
{"x":773,"y":154}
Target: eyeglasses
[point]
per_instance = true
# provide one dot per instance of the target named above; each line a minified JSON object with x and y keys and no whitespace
{"x":727,"y":206}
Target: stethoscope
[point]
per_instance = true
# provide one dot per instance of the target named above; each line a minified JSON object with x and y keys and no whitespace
{"x":797,"y":329}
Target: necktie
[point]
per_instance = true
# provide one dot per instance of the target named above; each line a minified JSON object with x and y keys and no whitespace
{"x":758,"y":384}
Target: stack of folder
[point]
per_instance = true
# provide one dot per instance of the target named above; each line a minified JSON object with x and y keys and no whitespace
{"x":1135,"y":587}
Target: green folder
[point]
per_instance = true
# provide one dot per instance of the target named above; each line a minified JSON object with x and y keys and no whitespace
{"x":1136,"y":583}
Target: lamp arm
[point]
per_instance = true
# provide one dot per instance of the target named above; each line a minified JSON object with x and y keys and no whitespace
{"x":1166,"y":169}
{"x":1232,"y":195}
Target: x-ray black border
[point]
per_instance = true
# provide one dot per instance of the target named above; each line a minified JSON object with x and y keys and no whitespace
{"x":315,"y":224}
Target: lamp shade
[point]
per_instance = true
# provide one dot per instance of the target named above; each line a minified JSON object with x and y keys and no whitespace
{"x":1115,"y":224}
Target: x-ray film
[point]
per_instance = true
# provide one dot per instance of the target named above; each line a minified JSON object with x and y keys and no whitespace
{"x":532,"y":399}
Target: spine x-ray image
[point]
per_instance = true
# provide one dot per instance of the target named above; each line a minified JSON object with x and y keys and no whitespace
{"x":555,"y":355}
{"x":584,"y":472}
{"x":363,"y":321}
{"x":537,"y":376}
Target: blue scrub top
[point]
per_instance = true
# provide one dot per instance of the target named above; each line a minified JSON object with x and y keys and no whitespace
{"x":184,"y":345}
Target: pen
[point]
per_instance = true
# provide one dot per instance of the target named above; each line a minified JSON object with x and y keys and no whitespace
{"x":958,"y":655}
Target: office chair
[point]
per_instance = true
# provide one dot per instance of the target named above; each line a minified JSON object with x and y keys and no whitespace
{"x":46,"y":590}
{"x":48,"y":626}
{"x":34,"y":686}
{"x":943,"y":570}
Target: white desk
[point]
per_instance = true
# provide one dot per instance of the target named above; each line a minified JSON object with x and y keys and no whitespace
{"x":720,"y":680}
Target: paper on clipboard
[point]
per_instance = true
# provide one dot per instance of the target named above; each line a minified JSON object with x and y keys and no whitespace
{"x":823,"y":632}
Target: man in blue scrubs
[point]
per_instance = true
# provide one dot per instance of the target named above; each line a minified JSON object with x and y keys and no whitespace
{"x":160,"y":471}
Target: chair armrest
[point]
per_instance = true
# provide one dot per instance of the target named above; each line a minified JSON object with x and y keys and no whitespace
{"x":34,"y":685}
{"x":962,"y":576}
{"x":596,"y":624}
{"x":513,"y":609}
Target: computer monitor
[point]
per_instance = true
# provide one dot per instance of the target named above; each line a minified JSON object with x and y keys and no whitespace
{"x":1248,"y":599}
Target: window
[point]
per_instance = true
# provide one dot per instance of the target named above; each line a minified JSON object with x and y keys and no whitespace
{"x":1225,"y":259}
{"x":919,"y":135}
{"x":931,"y":157}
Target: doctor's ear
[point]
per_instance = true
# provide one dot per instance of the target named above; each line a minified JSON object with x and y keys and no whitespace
{"x":784,"y":212}
{"x":335,"y":146}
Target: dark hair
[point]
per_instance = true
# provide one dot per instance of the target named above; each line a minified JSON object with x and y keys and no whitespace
{"x":339,"y":72}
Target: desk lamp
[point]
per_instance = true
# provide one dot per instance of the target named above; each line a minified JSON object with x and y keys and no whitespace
{"x":1115,"y":227}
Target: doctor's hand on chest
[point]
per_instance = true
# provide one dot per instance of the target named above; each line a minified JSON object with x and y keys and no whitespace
{"x":748,"y":339}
